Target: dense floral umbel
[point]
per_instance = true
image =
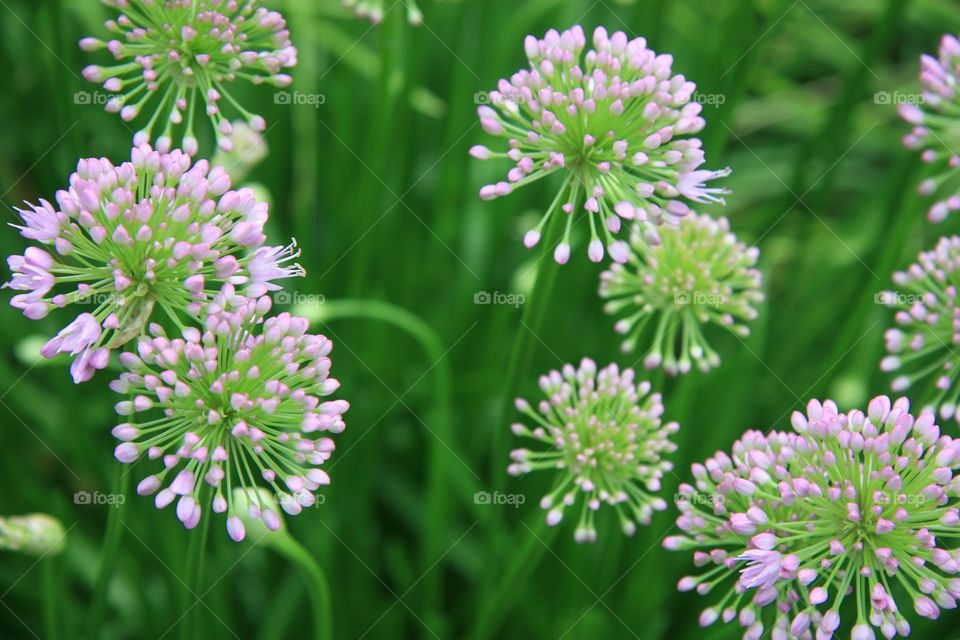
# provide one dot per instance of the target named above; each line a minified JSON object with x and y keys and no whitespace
{"x":699,"y":274}
{"x":602,"y":433}
{"x":935,"y":121}
{"x":614,"y":121}
{"x":374,"y":10}
{"x":176,"y":56}
{"x":923,"y":346}
{"x":845,"y":505}
{"x":151,"y":233}
{"x":240,"y":400}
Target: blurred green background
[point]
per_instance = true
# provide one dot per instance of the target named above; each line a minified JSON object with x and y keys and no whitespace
{"x":376,"y":185}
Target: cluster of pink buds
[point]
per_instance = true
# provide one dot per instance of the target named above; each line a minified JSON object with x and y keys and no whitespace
{"x":176,"y":56}
{"x":615,"y":122}
{"x":856,"y":505}
{"x":157,"y":234}
{"x":236,"y":403}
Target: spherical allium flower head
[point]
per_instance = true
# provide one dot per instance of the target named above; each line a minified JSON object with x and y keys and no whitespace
{"x":606,"y":441}
{"x":615,"y":121}
{"x":936,"y":123}
{"x":845,"y":505}
{"x":173,"y":55}
{"x":922,"y":348}
{"x":240,"y":399}
{"x":152,"y":233}
{"x":699,"y":274}
{"x":374,"y":10}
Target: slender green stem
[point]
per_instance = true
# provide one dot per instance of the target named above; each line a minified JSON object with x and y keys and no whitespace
{"x":193,"y":575}
{"x":317,"y":586}
{"x":385,"y":136}
{"x":441,"y":438}
{"x":304,"y":125}
{"x":110,"y":552}
{"x":522,"y":565}
{"x":52,"y":601}
{"x":524,"y":342}
{"x":520,"y":356}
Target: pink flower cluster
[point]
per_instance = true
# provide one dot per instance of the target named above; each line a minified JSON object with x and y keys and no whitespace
{"x":602,"y":433}
{"x":851,"y":504}
{"x":935,"y":119}
{"x":241,"y":399}
{"x":155,"y":233}
{"x":615,"y":121}
{"x":921,"y":348}
{"x":183,"y":53}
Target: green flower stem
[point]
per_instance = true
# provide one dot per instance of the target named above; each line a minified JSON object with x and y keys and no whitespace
{"x":440,"y":439}
{"x":193,"y":573}
{"x":304,"y":122}
{"x":384,"y":137}
{"x":317,"y":586}
{"x":52,"y":600}
{"x":524,"y":342}
{"x":522,"y":565}
{"x":110,"y":552}
{"x":520,"y":356}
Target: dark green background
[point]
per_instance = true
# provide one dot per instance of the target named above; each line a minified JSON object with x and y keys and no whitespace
{"x":377,"y":186}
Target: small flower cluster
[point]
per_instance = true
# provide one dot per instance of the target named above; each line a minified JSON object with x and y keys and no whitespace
{"x":35,"y":534}
{"x":174,"y":55}
{"x":846,"y":505}
{"x":698,"y":274}
{"x":922,"y":348}
{"x":935,"y":121}
{"x":605,"y":436}
{"x":239,"y":400}
{"x":152,"y":233}
{"x":615,"y":121}
{"x":373,"y":10}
